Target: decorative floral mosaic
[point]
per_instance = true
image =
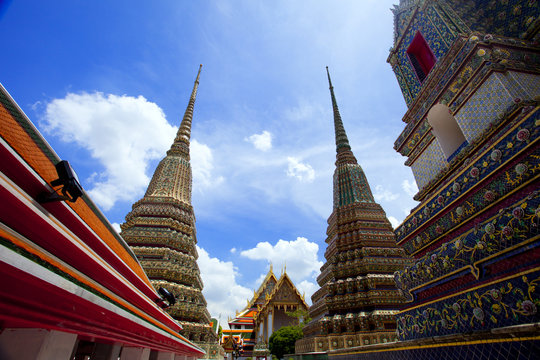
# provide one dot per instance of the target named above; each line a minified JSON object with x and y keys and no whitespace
{"x":439,"y":23}
{"x":509,"y":302}
{"x":513,"y":143}
{"x":510,"y":18}
{"x":453,"y":85}
{"x":422,"y":22}
{"x":515,"y":225}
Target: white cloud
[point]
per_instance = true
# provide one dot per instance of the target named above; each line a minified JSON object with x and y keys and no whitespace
{"x":116,"y":226}
{"x":299,"y":256}
{"x":393,"y":221}
{"x":122,"y":132}
{"x":382,"y":194}
{"x":262,"y":141}
{"x":299,"y":170}
{"x":307,"y":288}
{"x":233,"y":250}
{"x":223,"y":294}
{"x":202,"y":164}
{"x":409,"y":187}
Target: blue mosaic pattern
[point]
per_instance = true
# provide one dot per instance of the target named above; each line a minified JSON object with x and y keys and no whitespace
{"x":439,"y":38}
{"x":482,"y":167}
{"x":488,"y":103}
{"x":515,"y":225}
{"x":503,"y":17}
{"x":428,"y":164}
{"x":529,"y":82}
{"x":512,"y":301}
{"x":504,"y":350}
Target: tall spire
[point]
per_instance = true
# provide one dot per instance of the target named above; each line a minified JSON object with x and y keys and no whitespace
{"x":181,"y":142}
{"x":161,"y":231}
{"x":350,"y":183}
{"x":342,"y":142}
{"x":360,"y":240}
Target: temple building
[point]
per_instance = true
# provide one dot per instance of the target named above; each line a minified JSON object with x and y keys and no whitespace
{"x":357,"y":300}
{"x":268,"y":310}
{"x":161,"y":231}
{"x":71,"y":288}
{"x":469,"y":72}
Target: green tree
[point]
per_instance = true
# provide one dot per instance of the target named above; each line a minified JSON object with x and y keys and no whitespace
{"x":302,"y":315}
{"x":282,"y":341}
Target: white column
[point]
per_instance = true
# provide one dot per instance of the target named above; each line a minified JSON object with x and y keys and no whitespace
{"x":270,"y":325}
{"x":180,"y":357}
{"x":135,"y":353}
{"x":36,"y":344}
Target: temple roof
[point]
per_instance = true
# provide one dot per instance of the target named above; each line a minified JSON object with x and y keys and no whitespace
{"x":274,"y":297}
{"x":267,"y":294}
{"x":269,"y":281}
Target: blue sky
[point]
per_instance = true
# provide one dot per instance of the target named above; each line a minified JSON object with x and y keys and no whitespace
{"x":107,"y":83}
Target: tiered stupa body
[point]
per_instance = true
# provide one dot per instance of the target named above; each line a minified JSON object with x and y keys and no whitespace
{"x":358,"y":300}
{"x":161,"y":231}
{"x":470,"y":75}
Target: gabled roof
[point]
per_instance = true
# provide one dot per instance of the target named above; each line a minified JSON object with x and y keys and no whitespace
{"x":283,"y":281}
{"x":268,"y":280}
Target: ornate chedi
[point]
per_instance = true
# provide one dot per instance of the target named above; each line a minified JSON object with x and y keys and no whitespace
{"x":358,"y":300}
{"x":161,"y":231}
{"x":470,"y":75}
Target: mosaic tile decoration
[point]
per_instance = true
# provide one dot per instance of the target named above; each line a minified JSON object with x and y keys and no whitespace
{"x":512,"y":301}
{"x":529,"y":82}
{"x":488,"y":103}
{"x":473,"y":251}
{"x":504,"y":17}
{"x":482,"y":167}
{"x":439,"y":32}
{"x":428,"y":164}
{"x":509,"y":350}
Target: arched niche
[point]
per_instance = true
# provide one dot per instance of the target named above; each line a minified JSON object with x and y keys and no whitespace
{"x":446,"y":130}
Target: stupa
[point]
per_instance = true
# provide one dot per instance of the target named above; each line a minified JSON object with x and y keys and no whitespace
{"x":357,"y":300}
{"x":161,"y":231}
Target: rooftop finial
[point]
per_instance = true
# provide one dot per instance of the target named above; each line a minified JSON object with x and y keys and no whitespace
{"x":329,"y":80}
{"x":342,"y":142}
{"x":181,"y":142}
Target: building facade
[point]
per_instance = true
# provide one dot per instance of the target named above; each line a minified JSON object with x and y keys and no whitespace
{"x":161,"y":231}
{"x":71,"y":288}
{"x":357,"y":300}
{"x":268,"y":310}
{"x":469,"y":73}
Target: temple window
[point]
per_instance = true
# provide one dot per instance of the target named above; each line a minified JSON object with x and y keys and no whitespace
{"x":420,"y":56}
{"x":446,"y":130}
